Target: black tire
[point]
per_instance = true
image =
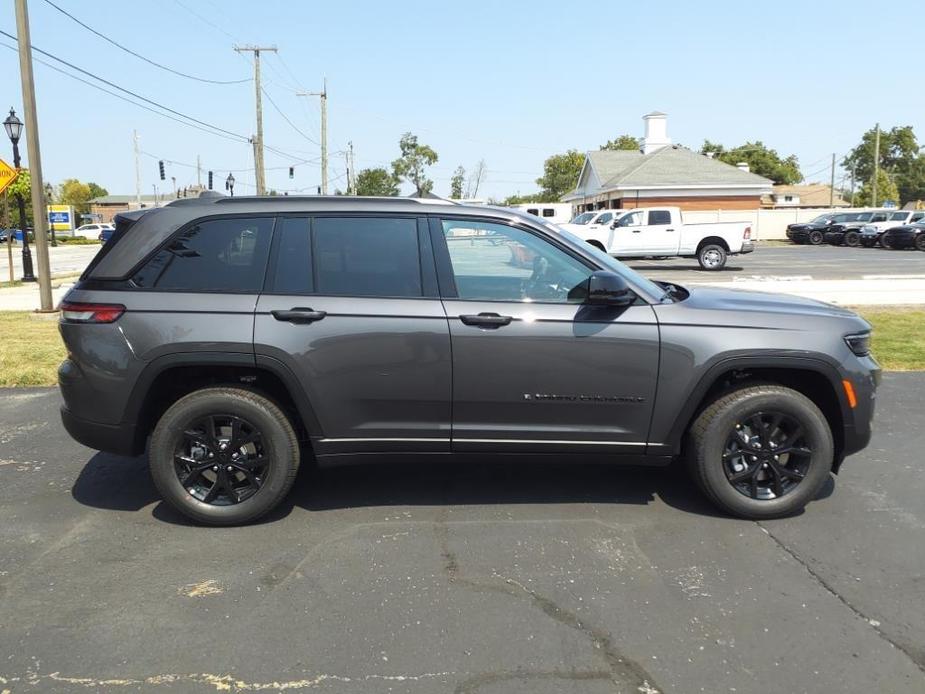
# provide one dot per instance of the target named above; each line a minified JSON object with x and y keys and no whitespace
{"x":868,"y":242}
{"x":920,"y":242}
{"x":885,"y":242}
{"x":260,"y":471}
{"x":816,"y":238}
{"x":852,"y":238}
{"x":712,"y":257}
{"x":725,"y":423}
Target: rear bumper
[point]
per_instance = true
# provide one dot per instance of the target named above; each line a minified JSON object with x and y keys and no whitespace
{"x":747,"y":247}
{"x":112,"y":438}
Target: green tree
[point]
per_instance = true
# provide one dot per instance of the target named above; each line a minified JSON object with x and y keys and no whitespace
{"x":96,"y":191}
{"x":21,"y":186}
{"x":521,"y":199}
{"x":911,"y":182}
{"x":456,"y":183}
{"x":898,"y":151}
{"x":560,"y":174}
{"x":886,"y":190}
{"x":376,"y":181}
{"x":761,"y":160}
{"x":624,"y":142}
{"x":73,"y":192}
{"x":412,"y":163}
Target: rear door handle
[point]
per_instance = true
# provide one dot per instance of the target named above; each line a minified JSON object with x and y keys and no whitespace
{"x":669,"y":229}
{"x":637,"y":231}
{"x":299,"y":315}
{"x":486,"y":320}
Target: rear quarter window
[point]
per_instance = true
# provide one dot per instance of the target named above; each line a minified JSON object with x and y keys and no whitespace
{"x":218,"y":255}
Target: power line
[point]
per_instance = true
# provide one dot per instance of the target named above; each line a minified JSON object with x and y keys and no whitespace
{"x":128,"y":91}
{"x":119,"y":96}
{"x":138,"y":55}
{"x":286,"y":118}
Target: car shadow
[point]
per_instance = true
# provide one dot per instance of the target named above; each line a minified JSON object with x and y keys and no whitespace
{"x":124,"y":484}
{"x":693,"y":267}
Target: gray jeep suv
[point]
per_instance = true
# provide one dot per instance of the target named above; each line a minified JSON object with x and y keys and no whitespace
{"x":232,"y":337}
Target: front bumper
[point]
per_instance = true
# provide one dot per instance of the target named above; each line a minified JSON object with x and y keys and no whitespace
{"x":858,"y":420}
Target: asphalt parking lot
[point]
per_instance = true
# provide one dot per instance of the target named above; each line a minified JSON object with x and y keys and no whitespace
{"x":490,"y":578}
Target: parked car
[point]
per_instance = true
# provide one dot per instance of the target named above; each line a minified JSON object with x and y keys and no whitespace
{"x":91,"y":231}
{"x":905,"y":236}
{"x":555,"y":212}
{"x":872,"y":234}
{"x":243,"y":333}
{"x":106,"y":234}
{"x":810,"y":232}
{"x":662,"y":232}
{"x":845,"y":230}
{"x":8,"y":235}
{"x":587,"y":221}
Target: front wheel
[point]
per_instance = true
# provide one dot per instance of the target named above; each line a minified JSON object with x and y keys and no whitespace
{"x":816,"y":238}
{"x":224,"y":456}
{"x":852,"y":238}
{"x":761,"y":451}
{"x":712,"y":257}
{"x":920,"y":242}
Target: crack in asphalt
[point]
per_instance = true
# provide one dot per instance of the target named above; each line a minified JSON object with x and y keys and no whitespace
{"x":621,"y":671}
{"x":829,"y":588}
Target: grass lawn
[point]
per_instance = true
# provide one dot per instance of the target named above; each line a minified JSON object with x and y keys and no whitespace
{"x":31,"y":349}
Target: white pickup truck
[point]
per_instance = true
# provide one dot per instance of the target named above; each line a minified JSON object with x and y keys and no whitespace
{"x":661,"y":232}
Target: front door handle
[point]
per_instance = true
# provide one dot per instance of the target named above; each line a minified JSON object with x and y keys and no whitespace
{"x":637,"y":231}
{"x":486,"y":320}
{"x":669,"y":229}
{"x":299,"y":315}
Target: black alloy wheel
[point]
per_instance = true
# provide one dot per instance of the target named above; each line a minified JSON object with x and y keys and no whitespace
{"x":766,"y":456}
{"x":221,"y":460}
{"x":852,"y":238}
{"x":920,"y":242}
{"x":816,"y":237}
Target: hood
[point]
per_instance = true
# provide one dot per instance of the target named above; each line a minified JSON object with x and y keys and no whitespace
{"x":722,"y":299}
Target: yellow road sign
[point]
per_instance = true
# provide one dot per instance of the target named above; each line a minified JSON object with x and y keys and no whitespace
{"x":7,"y":175}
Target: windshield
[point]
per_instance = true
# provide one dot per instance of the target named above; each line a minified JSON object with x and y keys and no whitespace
{"x":821,"y":218}
{"x":583,"y":218}
{"x":898,"y":216}
{"x":616,"y":266}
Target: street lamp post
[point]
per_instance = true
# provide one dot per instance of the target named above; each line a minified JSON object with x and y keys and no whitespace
{"x":48,"y":197}
{"x":14,"y":131}
{"x":229,"y":184}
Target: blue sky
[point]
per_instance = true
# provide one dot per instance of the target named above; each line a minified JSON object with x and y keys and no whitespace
{"x":507,"y":82}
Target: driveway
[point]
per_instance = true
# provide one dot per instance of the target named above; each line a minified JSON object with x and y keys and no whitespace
{"x":457,"y":578}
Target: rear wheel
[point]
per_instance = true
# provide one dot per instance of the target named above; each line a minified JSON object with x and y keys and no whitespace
{"x":920,"y":242}
{"x":761,"y":451}
{"x":224,"y":456}
{"x":885,"y":242}
{"x":852,"y":238}
{"x":712,"y":256}
{"x":816,"y":237}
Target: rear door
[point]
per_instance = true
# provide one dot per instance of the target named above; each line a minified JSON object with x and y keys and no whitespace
{"x":354,"y":314}
{"x":534,"y":368}
{"x":659,"y":235}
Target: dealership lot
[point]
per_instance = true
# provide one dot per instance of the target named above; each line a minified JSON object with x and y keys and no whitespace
{"x":493,"y":578}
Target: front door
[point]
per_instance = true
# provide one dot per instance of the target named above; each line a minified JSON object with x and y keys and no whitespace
{"x":534,"y":368}
{"x":352,"y":312}
{"x":628,"y":237}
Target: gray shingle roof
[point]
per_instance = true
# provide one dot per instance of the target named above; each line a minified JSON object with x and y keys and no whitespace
{"x":669,"y":167}
{"x":677,"y":166}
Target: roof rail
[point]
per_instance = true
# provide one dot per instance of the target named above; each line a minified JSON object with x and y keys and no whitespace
{"x":331,"y":198}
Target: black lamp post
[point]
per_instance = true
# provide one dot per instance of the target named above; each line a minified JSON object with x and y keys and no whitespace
{"x":51,"y":227}
{"x":229,"y":184}
{"x":14,"y":130}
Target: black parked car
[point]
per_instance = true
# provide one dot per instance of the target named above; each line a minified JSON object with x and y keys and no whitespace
{"x":810,"y":232}
{"x":905,"y":236}
{"x":847,"y":232}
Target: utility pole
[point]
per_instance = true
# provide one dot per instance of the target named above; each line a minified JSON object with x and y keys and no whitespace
{"x":259,"y":171}
{"x":852,"y":183}
{"x":39,"y":215}
{"x":137,"y":170}
{"x":832,"y":183}
{"x":352,"y":169}
{"x":198,"y":173}
{"x":873,"y":196}
{"x":324,"y":132}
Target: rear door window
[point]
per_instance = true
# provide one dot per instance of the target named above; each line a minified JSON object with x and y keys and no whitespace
{"x":662,"y":217}
{"x":366,"y":256}
{"x":217,"y":255}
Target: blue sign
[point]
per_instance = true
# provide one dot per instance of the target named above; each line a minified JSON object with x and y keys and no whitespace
{"x":59,"y":217}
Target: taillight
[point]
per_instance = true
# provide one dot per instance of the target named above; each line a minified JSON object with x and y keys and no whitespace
{"x":748,"y":233}
{"x":76,"y":312}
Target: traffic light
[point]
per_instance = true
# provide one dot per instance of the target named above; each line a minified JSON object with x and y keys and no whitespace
{"x":160,"y":166}
{"x":291,"y":172}
{"x":210,"y":180}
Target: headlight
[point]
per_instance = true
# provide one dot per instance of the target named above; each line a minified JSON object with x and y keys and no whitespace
{"x":859,"y":343}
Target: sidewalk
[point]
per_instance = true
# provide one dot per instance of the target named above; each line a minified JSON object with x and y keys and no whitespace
{"x":25,"y":297}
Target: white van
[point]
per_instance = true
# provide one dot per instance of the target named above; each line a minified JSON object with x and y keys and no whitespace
{"x":555,"y":212}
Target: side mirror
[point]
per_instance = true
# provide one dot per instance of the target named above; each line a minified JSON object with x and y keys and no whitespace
{"x":609,"y":289}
